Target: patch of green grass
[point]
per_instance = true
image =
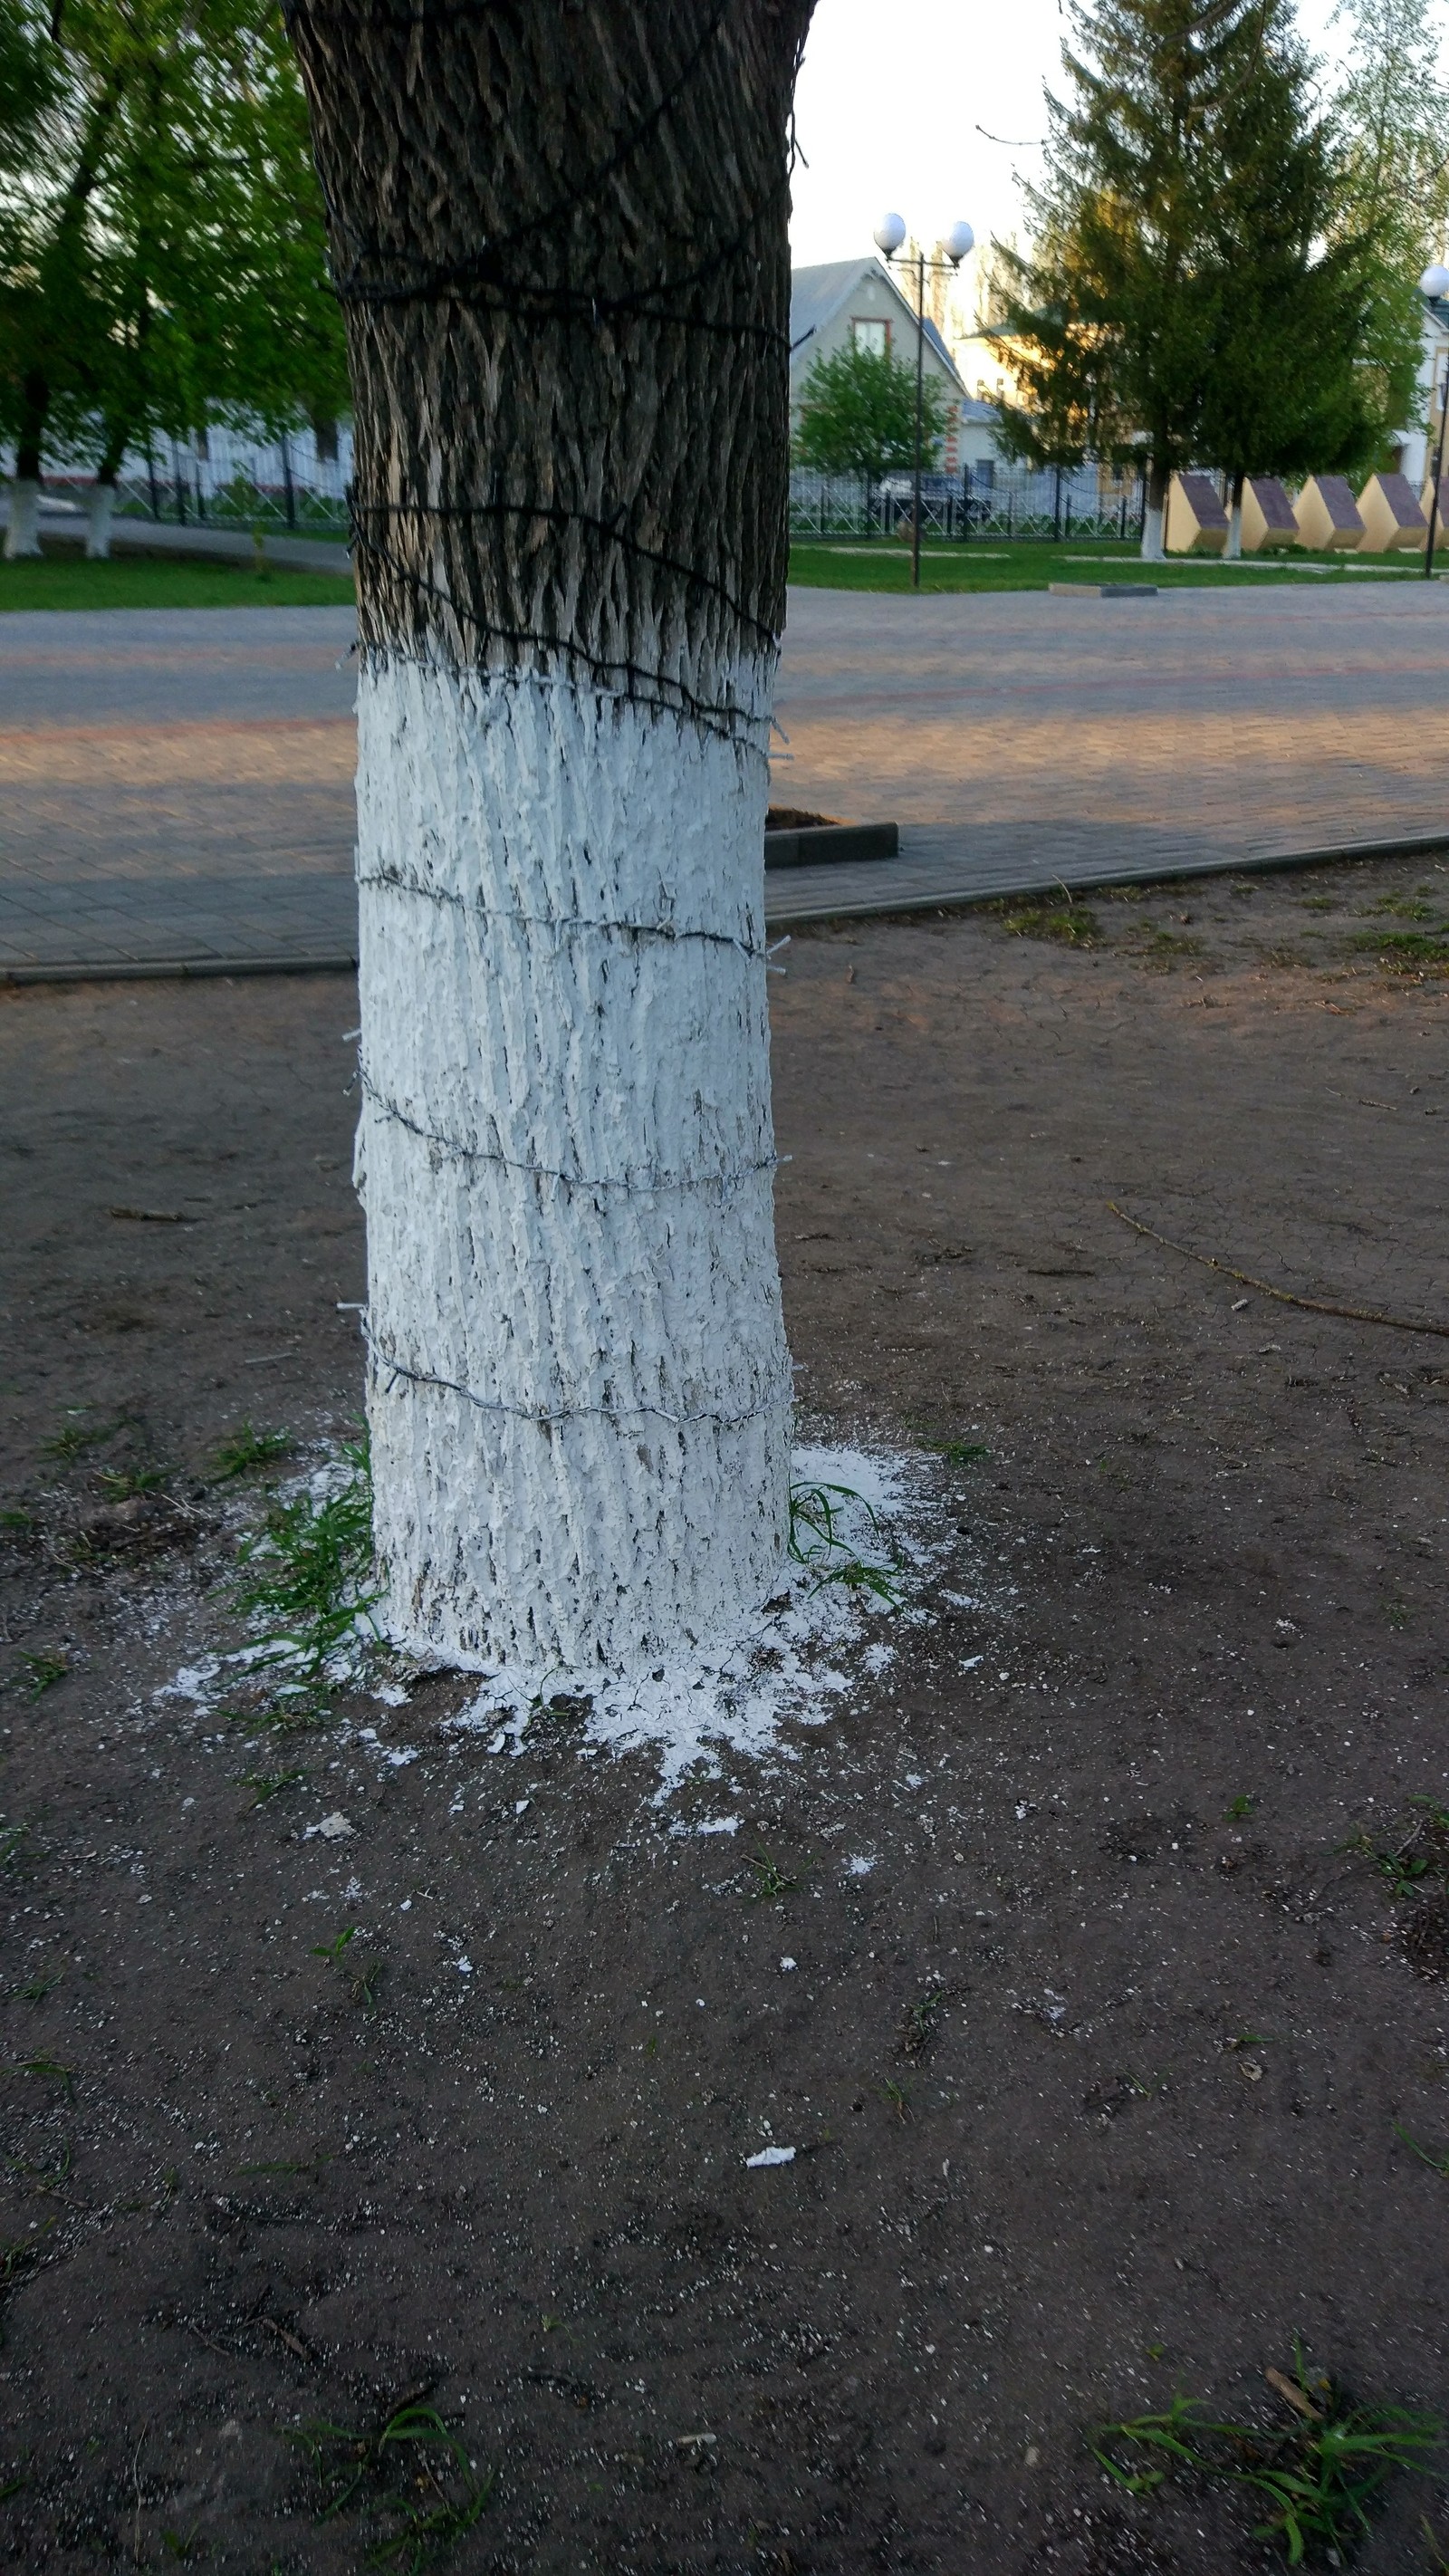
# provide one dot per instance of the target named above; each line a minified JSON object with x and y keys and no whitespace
{"x":122,"y":1484}
{"x":1318,"y":2474}
{"x":270,"y":1784}
{"x":44,"y":1672}
{"x":78,"y":1435}
{"x":308,"y":1575}
{"x":1239,"y":1808}
{"x":67,"y":581}
{"x":771,"y":1881}
{"x":1170,"y":943}
{"x":49,"y":2067}
{"x":896,"y":2095}
{"x":1408,"y":907}
{"x":412,"y":2477}
{"x":1406,"y":952}
{"x":918,"y":2025}
{"x":247,"y":1447}
{"x":362,"y":1975}
{"x":1004,"y":563}
{"x":1423,"y":1855}
{"x":1075,"y":927}
{"x":1436,"y":2164}
{"x":12,"y":1838}
{"x":818,"y":1540}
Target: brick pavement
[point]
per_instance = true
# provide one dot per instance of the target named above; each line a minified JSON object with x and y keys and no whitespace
{"x":176,"y":786}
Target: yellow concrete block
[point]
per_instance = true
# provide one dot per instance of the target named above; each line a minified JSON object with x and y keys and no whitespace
{"x":1195,"y":522}
{"x":1441,"y":530}
{"x":1268,"y":520}
{"x":1327,"y":515}
{"x":1391,"y":516}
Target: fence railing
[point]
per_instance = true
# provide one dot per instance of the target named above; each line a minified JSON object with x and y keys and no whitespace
{"x":984,"y":500}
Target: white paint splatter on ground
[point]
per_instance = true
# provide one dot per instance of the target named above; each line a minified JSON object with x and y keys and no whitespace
{"x":817,"y":1639}
{"x":813,"y":1642}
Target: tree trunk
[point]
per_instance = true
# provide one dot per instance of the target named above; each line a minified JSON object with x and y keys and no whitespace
{"x":1233,"y":550}
{"x":22,"y":528}
{"x":1157,"y":483}
{"x":561,"y":246}
{"x":100,"y":508}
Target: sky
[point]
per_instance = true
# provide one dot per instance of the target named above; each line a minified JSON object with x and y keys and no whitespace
{"x":890,"y":107}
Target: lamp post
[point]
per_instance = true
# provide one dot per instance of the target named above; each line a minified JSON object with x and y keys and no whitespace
{"x":1433,"y":286}
{"x":890,"y":232}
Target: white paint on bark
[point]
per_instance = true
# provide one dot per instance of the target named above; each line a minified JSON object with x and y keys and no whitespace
{"x":579,"y":1391}
{"x":22,"y":534}
{"x":1233,"y":550}
{"x":1152,"y":535}
{"x":796,"y":1662}
{"x":100,"y":507}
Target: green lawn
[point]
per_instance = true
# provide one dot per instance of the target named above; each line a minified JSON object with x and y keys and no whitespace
{"x":66,"y":580}
{"x":138,"y":581}
{"x":993,"y":563}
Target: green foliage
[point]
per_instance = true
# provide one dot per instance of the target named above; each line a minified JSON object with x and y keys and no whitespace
{"x":1198,"y":286}
{"x":1392,"y":109}
{"x":858,"y":415}
{"x":309,"y":1573}
{"x":247,"y":1447}
{"x":161,"y":241}
{"x":1318,"y":2474}
{"x":819,"y":1538}
{"x":412,"y":2475}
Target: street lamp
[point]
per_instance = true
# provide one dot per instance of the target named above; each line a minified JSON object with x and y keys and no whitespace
{"x":890,"y":232}
{"x":1434,"y":286}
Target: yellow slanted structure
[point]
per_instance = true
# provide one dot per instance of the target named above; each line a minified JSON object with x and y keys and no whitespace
{"x":1195,"y":522}
{"x":1327,"y":515}
{"x":1268,"y":521}
{"x":1392,"y":518}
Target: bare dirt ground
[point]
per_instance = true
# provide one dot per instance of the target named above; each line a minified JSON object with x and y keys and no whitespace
{"x":1101,"y":2053}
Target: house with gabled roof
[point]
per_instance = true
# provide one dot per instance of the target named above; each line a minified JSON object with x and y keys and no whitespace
{"x":858,"y":303}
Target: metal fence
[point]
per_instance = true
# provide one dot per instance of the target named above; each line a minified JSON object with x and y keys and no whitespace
{"x":230,"y":479}
{"x":986,"y":499}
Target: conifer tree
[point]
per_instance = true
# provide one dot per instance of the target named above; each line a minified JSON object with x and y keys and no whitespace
{"x":1179,"y":305}
{"x":1309,"y":362}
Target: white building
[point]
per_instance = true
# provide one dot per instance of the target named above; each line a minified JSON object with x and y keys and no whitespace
{"x":857,"y":303}
{"x":1417,"y":447}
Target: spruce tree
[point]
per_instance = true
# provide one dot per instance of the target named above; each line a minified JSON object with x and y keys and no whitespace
{"x":1308,"y":363}
{"x":1179,"y":305}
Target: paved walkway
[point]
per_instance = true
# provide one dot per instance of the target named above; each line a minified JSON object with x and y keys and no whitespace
{"x":175,"y":787}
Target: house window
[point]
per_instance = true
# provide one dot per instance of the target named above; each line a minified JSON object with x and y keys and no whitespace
{"x":871,"y":337}
{"x":325,"y":433}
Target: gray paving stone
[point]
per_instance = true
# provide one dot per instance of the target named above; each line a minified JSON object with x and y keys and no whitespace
{"x":177,"y":786}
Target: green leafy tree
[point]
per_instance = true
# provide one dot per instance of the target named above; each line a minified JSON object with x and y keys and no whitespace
{"x":1195,"y":292}
{"x":858,"y":415}
{"x":160,"y":227}
{"x":1393,"y":115}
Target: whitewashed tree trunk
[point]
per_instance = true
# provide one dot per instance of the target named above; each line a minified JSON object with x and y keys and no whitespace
{"x":22,"y":533}
{"x":1233,"y":550}
{"x":100,"y":508}
{"x":570,"y":538}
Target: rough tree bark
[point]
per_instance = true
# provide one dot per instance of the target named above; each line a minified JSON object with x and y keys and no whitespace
{"x":560,"y":238}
